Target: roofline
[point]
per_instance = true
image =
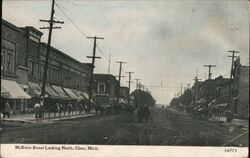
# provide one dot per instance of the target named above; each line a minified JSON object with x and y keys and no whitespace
{"x":5,"y":22}
{"x":31,"y":27}
{"x":65,"y":55}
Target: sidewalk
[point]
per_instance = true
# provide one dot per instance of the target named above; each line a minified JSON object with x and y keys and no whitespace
{"x":48,"y":117}
{"x":237,"y":122}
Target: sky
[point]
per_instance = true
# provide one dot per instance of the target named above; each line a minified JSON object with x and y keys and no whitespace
{"x":163,"y":42}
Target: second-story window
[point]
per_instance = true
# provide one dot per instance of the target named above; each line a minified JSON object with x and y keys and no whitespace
{"x":32,"y":67}
{"x":101,"y":87}
{"x":10,"y":61}
{"x":2,"y":60}
{"x":41,"y":70}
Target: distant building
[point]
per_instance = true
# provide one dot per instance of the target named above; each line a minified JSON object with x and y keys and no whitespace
{"x":196,"y":89}
{"x":105,"y":89}
{"x":222,"y":90}
{"x":207,"y":90}
{"x":124,"y":94}
{"x":240,"y":90}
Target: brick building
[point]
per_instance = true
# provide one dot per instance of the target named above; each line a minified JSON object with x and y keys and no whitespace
{"x":105,"y":89}
{"x":240,"y":90}
{"x":23,"y":58}
{"x":12,"y":83}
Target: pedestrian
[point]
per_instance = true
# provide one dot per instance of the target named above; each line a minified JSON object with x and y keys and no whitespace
{"x":6,"y":110}
{"x":140,"y":114}
{"x":58,"y":107}
{"x":37,"y":109}
{"x":70,"y":108}
{"x":146,"y":113}
{"x":229,"y":115}
{"x":41,"y":109}
{"x":86,"y":108}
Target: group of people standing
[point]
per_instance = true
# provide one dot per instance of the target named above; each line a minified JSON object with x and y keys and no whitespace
{"x":60,"y":107}
{"x":143,"y":114}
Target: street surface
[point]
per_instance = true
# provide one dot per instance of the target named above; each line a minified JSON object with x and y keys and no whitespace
{"x":168,"y":128}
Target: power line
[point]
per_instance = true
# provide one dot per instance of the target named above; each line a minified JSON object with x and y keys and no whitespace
{"x":84,"y":34}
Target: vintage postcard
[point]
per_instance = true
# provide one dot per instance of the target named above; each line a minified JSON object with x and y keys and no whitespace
{"x":124,"y":78}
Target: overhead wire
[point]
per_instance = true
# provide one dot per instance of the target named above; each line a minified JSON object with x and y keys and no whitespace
{"x":84,"y":34}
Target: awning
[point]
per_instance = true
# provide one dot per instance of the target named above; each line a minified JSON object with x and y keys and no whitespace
{"x":60,"y":91}
{"x":121,"y":101}
{"x":51,"y":92}
{"x":14,"y":90}
{"x":202,"y":100}
{"x":4,"y":93}
{"x":78,"y":94}
{"x":71,"y":94}
{"x":24,"y":86}
{"x":85,"y":95}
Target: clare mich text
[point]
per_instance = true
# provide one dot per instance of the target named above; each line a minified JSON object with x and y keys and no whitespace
{"x":54,"y":147}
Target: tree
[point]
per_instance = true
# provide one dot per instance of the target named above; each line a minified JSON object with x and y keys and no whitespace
{"x":186,"y":97}
{"x":174,"y":102}
{"x":142,"y":98}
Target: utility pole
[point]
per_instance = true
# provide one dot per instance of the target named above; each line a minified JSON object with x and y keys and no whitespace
{"x":196,"y":79}
{"x":209,"y":70}
{"x":119,"y":77}
{"x":181,"y":88}
{"x":51,"y":23}
{"x":231,"y":75}
{"x":139,"y":85}
{"x":137,"y":80}
{"x":90,"y":88}
{"x":129,"y":75}
{"x":109,"y":63}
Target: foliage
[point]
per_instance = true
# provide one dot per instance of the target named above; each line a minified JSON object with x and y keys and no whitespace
{"x":186,"y":97}
{"x":174,"y":102}
{"x":142,"y":98}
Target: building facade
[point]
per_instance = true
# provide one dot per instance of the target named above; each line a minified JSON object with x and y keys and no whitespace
{"x":23,"y":58}
{"x":105,"y":87}
{"x":12,"y":83}
{"x":240,"y":90}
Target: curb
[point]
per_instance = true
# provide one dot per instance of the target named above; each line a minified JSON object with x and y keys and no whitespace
{"x":47,"y":119}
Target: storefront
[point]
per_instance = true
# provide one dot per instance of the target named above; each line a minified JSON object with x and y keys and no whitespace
{"x":11,"y":92}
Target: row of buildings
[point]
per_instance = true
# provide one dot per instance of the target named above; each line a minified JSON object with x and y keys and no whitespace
{"x":225,"y":93}
{"x":22,"y":69}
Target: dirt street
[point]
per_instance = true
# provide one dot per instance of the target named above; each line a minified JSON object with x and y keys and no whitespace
{"x":167,"y":128}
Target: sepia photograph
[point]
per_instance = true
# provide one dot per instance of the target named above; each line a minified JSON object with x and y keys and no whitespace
{"x":124,"y":78}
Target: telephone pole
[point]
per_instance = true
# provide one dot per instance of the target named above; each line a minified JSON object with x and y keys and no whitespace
{"x":209,"y":70}
{"x":51,"y":23}
{"x":137,"y":80}
{"x":119,"y":77}
{"x":129,"y":74}
{"x":90,"y":88}
{"x":196,"y":79}
{"x":231,"y":75}
{"x":181,"y":89}
{"x":109,"y":63}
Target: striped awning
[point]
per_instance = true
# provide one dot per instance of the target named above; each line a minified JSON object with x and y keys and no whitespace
{"x":85,"y":95}
{"x":71,"y":94}
{"x":12,"y":90}
{"x":60,"y":91}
